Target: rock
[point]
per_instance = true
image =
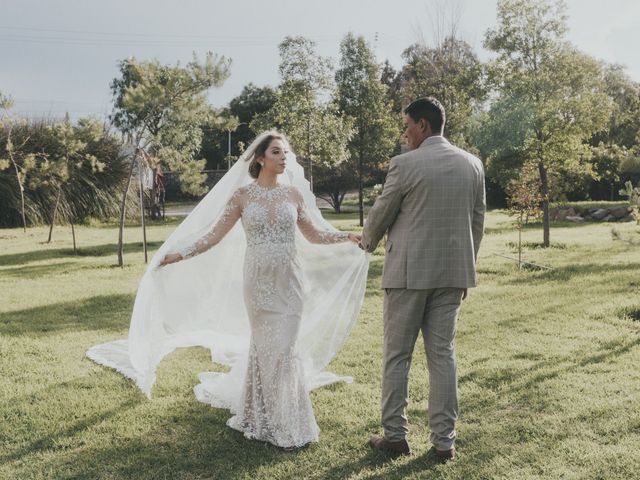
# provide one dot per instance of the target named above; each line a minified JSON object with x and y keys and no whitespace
{"x":587,"y":217}
{"x":609,"y":218}
{"x":563,"y":213}
{"x":592,"y":210}
{"x":628,"y":218}
{"x":599,"y":214}
{"x":619,"y":212}
{"x":574,"y":218}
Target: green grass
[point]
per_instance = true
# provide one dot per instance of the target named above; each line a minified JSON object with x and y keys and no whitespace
{"x":548,"y":368}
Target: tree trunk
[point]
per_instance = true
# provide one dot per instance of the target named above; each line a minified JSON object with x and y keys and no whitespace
{"x":15,"y":165}
{"x":24,"y":220}
{"x":154,"y":208}
{"x":520,"y":242}
{"x":53,"y":215}
{"x":123,"y":204}
{"x":73,"y":234}
{"x":144,"y":227}
{"x":360,"y":189}
{"x":336,"y":201}
{"x":544,"y":189}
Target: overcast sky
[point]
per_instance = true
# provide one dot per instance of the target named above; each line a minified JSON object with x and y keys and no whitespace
{"x":61,"y":55}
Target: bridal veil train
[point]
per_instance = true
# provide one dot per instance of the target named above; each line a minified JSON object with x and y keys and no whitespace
{"x":200,"y":302}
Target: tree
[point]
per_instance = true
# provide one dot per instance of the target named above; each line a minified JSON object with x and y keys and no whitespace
{"x":524,"y":200}
{"x":334,"y":182}
{"x":303,"y":111}
{"x":161,"y":109}
{"x":21,"y":161}
{"x":252,"y":101}
{"x":392,"y":79}
{"x":615,"y":146}
{"x":363,"y":98}
{"x":445,"y":67}
{"x":623,"y":125}
{"x":633,"y":195}
{"x":92,"y":176}
{"x":559,"y":86}
{"x":451,"y":72}
{"x":67,"y":162}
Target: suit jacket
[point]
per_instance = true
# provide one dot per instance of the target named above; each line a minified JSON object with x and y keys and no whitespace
{"x":432,"y":206}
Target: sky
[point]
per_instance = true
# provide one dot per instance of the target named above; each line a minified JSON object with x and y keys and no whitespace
{"x":60,"y":56}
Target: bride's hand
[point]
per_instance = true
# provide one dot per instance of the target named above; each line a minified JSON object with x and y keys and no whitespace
{"x":170,"y":258}
{"x":355,"y":237}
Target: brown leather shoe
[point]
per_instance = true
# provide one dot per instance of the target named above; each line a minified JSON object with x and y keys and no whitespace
{"x":444,"y":455}
{"x":401,"y":447}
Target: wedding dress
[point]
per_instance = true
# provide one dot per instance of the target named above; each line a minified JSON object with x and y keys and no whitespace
{"x":275,"y":403}
{"x":274,"y":299}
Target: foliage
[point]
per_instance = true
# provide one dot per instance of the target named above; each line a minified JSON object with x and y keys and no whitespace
{"x":18,"y":159}
{"x":161,"y":110}
{"x":317,"y":131}
{"x":623,"y":125}
{"x":362,"y":97}
{"x":525,"y":200}
{"x":241,"y":111}
{"x":559,"y":91}
{"x":84,"y":160}
{"x":633,"y":194}
{"x":451,"y":72}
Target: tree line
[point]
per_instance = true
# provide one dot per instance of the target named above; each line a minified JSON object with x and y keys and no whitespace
{"x":542,"y":115}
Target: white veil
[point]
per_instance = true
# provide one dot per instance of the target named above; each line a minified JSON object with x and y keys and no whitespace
{"x":199,"y":301}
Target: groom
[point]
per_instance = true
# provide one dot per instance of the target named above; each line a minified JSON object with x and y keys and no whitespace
{"x":432,"y":207}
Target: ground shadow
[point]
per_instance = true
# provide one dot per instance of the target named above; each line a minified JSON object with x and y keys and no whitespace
{"x":34,"y":271}
{"x":189,"y":440}
{"x":565,"y":273}
{"x":24,"y":258}
{"x":104,"y":312}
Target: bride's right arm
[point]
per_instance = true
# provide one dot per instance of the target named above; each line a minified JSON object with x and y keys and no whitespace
{"x":230,"y":215}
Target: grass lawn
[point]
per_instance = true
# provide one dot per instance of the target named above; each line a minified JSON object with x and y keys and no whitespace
{"x":548,"y":368}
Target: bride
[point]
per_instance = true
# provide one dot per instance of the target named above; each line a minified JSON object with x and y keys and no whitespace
{"x":277,"y":318}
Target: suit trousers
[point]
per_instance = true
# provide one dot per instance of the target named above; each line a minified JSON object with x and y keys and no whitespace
{"x":406,"y":313}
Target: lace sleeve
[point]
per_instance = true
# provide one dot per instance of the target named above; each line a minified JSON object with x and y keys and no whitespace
{"x":226,"y":221}
{"x":313,"y":234}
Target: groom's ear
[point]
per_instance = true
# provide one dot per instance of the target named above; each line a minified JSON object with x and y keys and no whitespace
{"x":425,"y":126}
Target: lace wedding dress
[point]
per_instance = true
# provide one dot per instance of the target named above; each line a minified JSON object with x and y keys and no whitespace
{"x":275,"y":405}
{"x":267,"y":302}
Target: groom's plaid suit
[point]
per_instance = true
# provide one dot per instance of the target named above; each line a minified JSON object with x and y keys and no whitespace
{"x":432,"y":207}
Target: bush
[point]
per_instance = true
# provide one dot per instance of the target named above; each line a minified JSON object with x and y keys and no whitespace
{"x":88,"y":192}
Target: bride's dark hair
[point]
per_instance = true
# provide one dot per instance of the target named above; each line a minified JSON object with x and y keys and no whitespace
{"x":261,"y":149}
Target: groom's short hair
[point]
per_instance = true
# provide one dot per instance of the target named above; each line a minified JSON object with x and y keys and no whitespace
{"x":430,"y":109}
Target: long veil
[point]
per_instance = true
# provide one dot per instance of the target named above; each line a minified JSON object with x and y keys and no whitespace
{"x":199,"y":301}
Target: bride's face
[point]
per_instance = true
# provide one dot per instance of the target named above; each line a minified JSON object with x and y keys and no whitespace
{"x":275,"y":158}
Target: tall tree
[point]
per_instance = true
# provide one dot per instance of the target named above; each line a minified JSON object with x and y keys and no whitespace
{"x":451,"y":72}
{"x":303,"y":111}
{"x":217,"y":138}
{"x":446,"y":67}
{"x":616,"y":147}
{"x":558,"y":87}
{"x":161,"y":110}
{"x":363,"y":98}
